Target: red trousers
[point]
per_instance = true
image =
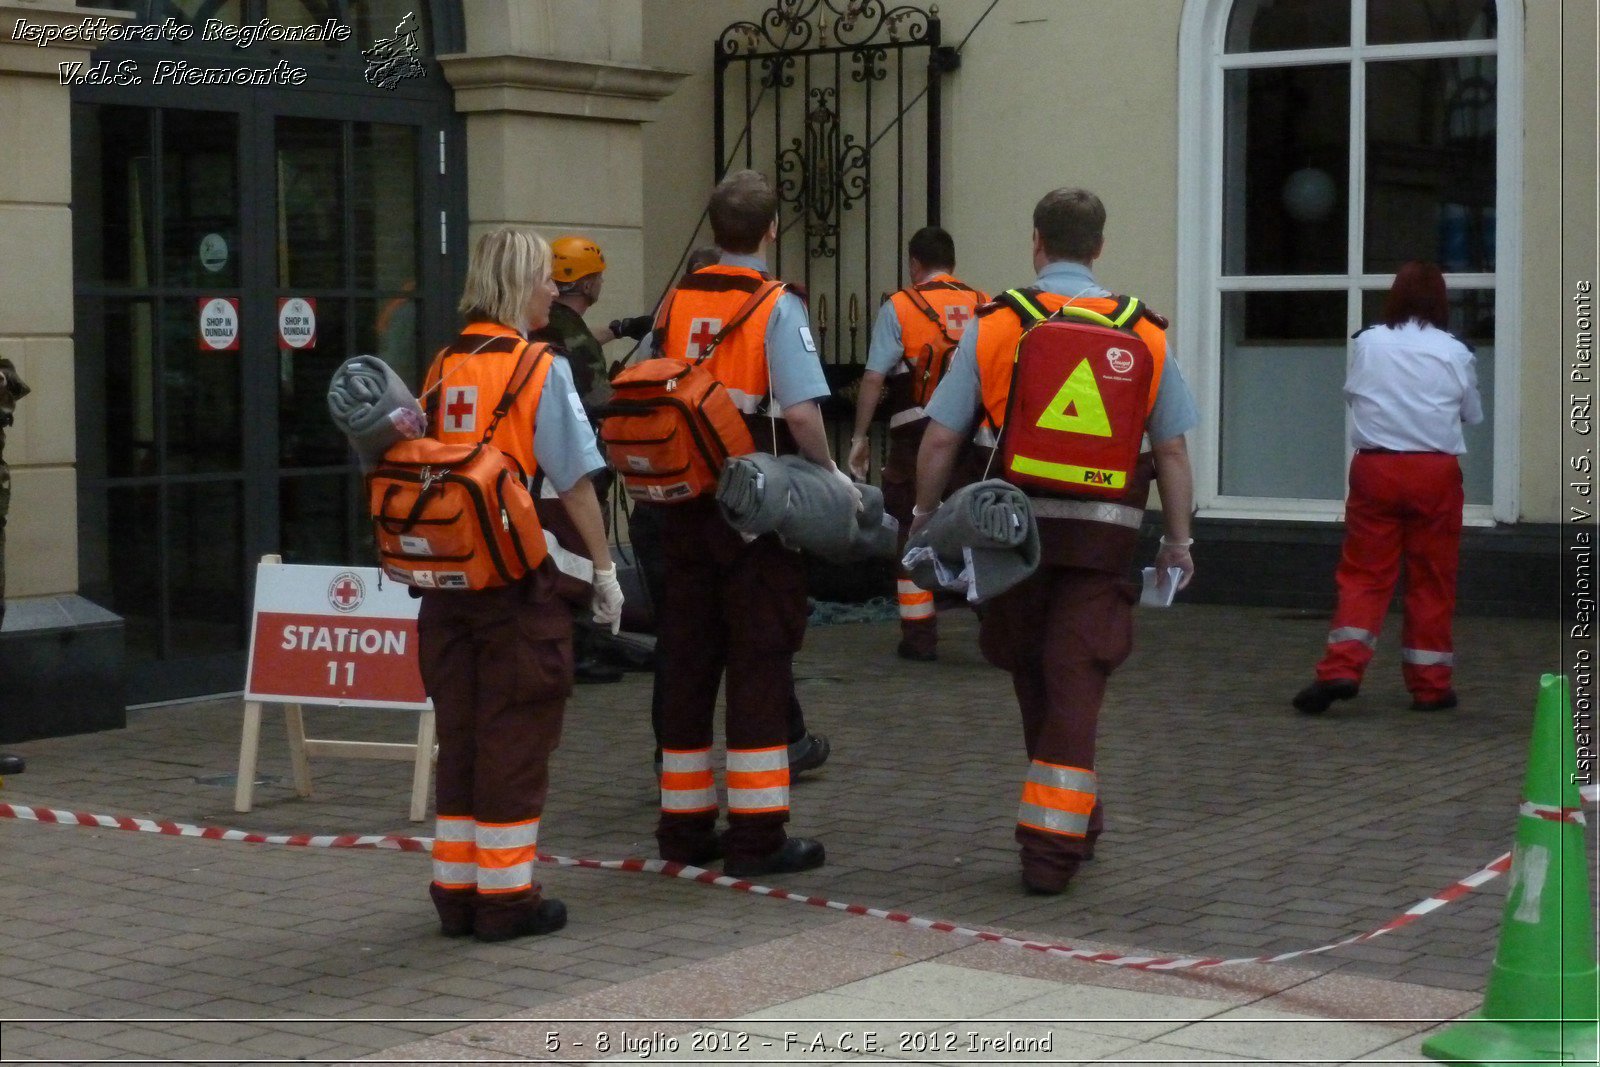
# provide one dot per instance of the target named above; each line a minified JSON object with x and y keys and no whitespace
{"x":498,"y":665}
{"x":735,"y":608}
{"x":1401,"y":505}
{"x":1060,"y":634}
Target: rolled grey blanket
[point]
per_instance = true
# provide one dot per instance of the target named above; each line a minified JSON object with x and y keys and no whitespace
{"x":373,"y":408}
{"x":806,"y":506}
{"x":981,"y":542}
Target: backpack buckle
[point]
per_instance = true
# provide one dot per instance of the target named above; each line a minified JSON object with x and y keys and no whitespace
{"x":428,"y":478}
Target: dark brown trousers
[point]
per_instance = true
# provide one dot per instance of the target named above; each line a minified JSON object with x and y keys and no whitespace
{"x":1060,"y":634}
{"x":899,"y":496}
{"x":498,"y":665}
{"x":728,"y":608}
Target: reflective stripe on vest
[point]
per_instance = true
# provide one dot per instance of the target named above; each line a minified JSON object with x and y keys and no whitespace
{"x":455,"y":852}
{"x":1088,"y":511}
{"x":1340,"y":634}
{"x":1057,"y":799}
{"x":505,"y":855}
{"x":701,"y":305}
{"x":1423,"y":658}
{"x":686,"y":782}
{"x":915,"y":601}
{"x":758,"y":780}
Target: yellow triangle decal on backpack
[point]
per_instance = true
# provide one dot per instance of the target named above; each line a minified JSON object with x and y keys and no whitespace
{"x":1077,"y":407}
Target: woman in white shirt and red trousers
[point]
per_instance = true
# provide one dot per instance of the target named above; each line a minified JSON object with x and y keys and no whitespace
{"x":1410,"y":387}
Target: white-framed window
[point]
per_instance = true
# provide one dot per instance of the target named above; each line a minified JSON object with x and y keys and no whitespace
{"x":1323,"y":143}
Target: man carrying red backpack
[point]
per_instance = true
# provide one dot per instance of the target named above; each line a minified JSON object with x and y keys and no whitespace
{"x":1091,"y":378}
{"x":730,"y":606}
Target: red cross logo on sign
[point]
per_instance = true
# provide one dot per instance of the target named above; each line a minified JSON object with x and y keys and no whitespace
{"x":461,"y":409}
{"x":956,"y":318}
{"x":346,"y":592}
{"x":701,"y":333}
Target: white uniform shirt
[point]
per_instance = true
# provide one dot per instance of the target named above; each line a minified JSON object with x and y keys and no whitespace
{"x":1410,"y":388}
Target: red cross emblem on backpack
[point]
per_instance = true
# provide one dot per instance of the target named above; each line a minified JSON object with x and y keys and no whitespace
{"x":461,"y":409}
{"x":701,"y":333}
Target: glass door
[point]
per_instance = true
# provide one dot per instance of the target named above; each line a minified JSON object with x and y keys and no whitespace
{"x":228,"y":261}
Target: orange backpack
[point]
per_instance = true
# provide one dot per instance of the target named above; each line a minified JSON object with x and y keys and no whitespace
{"x":668,"y":430}
{"x":458,"y":516}
{"x":671,"y":425}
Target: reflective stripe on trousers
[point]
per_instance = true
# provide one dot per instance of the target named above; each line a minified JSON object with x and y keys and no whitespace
{"x":1057,"y":799}
{"x":686,"y":783}
{"x":1352,"y":633}
{"x":758,"y":780}
{"x":505,"y":855}
{"x":1423,"y":658}
{"x":455,"y":852}
{"x":915,"y":602}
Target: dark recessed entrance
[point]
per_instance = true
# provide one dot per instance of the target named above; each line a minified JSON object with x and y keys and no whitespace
{"x":233,"y":244}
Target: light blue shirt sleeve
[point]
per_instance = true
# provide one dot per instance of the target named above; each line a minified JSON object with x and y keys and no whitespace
{"x":955,"y":402}
{"x":1174,"y":413}
{"x":888,"y":344}
{"x":563,"y":441}
{"x":792,"y":354}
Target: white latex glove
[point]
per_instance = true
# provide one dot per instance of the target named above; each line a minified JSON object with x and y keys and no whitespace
{"x":858,"y":458}
{"x":855,"y":490}
{"x":607,"y":602}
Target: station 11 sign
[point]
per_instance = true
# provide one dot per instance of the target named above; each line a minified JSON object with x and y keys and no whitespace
{"x":333,"y":635}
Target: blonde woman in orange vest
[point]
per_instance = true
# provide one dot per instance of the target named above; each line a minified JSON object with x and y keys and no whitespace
{"x":731,"y":607}
{"x":1061,"y":632}
{"x":913,"y":339}
{"x":498,"y":662}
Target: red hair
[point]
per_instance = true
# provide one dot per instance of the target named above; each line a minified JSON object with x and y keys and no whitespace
{"x":1418,"y":293}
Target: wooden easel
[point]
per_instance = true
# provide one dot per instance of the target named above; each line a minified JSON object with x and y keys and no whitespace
{"x":302,"y":748}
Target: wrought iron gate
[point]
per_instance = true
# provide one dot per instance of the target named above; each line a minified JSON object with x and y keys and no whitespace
{"x":822,"y":95}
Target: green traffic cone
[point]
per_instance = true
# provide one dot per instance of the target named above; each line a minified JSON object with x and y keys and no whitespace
{"x":1544,"y":989}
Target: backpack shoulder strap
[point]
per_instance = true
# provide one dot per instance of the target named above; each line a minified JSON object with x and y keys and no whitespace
{"x":769,"y":288}
{"x":1024,"y":302}
{"x":922,"y":304}
{"x":529,"y":357}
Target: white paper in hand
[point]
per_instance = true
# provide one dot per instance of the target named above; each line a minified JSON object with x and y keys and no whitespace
{"x":1160,"y":587}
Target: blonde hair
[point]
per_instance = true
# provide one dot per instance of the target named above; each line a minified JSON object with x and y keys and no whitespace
{"x":507,"y":265}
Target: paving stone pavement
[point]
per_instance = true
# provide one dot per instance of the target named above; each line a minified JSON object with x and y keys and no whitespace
{"x":1236,"y":827}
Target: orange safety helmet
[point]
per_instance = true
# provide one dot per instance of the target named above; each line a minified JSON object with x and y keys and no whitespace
{"x":574,"y":258}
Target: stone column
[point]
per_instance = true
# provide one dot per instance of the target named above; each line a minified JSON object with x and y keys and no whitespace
{"x":555,"y":96}
{"x":36,"y":291}
{"x":53,"y":686}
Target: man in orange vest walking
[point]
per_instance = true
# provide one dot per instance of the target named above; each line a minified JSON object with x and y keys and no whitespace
{"x":1061,"y":632}
{"x":915,"y":335}
{"x":732,"y":607}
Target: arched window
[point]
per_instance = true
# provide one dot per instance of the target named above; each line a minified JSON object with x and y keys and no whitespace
{"x":1322,"y":144}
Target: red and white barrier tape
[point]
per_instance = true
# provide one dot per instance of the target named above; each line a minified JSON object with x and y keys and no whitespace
{"x":1552,"y":814}
{"x":213,"y":833}
{"x":696,"y":874}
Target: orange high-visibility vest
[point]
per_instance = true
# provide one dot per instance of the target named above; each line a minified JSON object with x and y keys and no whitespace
{"x":1096,"y":533}
{"x":933,"y":315}
{"x":475,"y":371}
{"x":702,"y":305}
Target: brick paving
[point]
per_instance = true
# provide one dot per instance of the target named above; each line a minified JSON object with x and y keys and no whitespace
{"x":1235,"y":827}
